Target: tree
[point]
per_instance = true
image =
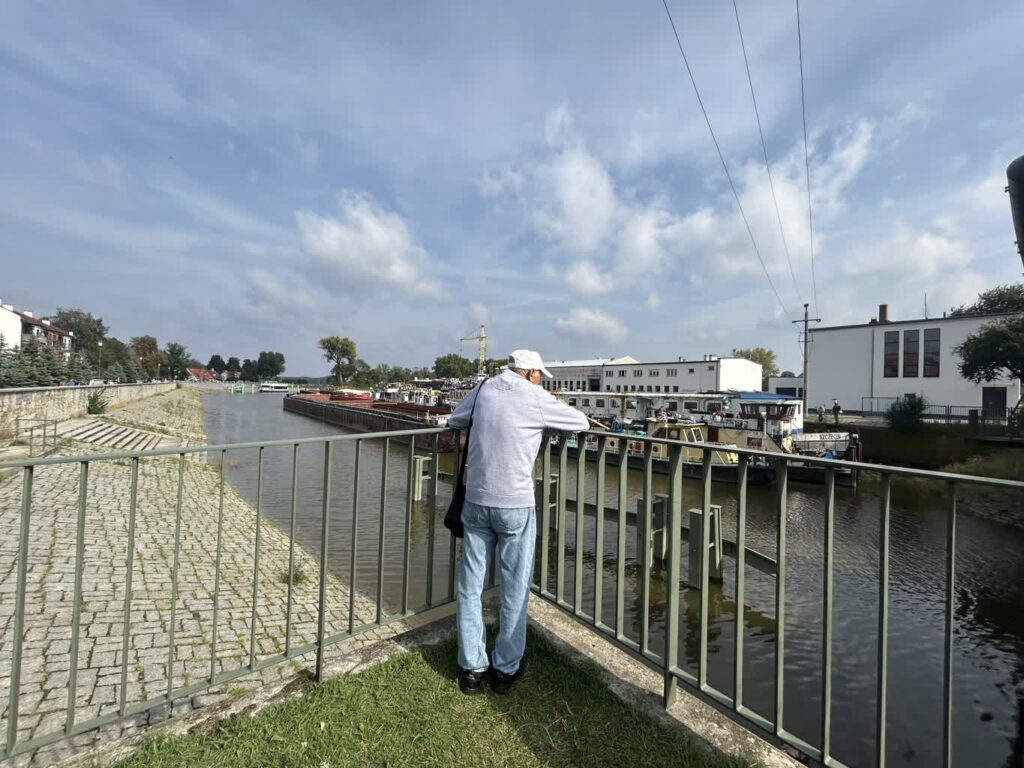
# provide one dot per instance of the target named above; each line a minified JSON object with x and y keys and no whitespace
{"x":269,"y":365}
{"x":233,"y":365}
{"x":907,"y":413}
{"x":341,"y":351}
{"x":249,"y":372}
{"x":764,"y":357}
{"x":217,"y":364}
{"x":114,"y":372}
{"x":454,"y":366}
{"x":997,"y":348}
{"x":176,"y":359}
{"x":1001,"y":299}
{"x":147,"y":352}
{"x":88,"y":330}
{"x":788,"y":374}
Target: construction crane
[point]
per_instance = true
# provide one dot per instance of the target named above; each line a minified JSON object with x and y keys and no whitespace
{"x":481,"y":350}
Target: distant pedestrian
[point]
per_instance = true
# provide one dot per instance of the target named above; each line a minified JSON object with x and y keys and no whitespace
{"x":509,"y":415}
{"x":836,"y":410}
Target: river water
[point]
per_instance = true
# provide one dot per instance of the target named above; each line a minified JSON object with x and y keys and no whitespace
{"x":989,"y":595}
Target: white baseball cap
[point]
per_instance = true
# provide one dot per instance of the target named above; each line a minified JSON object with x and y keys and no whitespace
{"x":527,"y":360}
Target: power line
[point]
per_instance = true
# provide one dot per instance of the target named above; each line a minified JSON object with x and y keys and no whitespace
{"x":764,"y":148}
{"x":721,"y":157}
{"x":807,"y":161}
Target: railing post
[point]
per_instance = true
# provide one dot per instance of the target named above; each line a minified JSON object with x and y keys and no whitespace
{"x":256,"y":562}
{"x":408,"y":524}
{"x":883,"y":618}
{"x":782,"y":477}
{"x":216,"y":570}
{"x":702,"y":655}
{"x":563,"y":469}
{"x":826,"y":619}
{"x":741,"y":555}
{"x":19,"y":609}
{"x":325,"y":527}
{"x":602,"y":454}
{"x":645,"y":552}
{"x":380,"y":539}
{"x":947,"y":677}
{"x":132,"y":507}
{"x":355,"y":540}
{"x":672,"y":523}
{"x":174,"y":584}
{"x":620,"y":548}
{"x":76,"y":605}
{"x":291,"y":550}
{"x":580,"y":525}
{"x":545,"y":513}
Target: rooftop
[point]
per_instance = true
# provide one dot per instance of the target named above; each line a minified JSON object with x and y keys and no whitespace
{"x":944,"y":319}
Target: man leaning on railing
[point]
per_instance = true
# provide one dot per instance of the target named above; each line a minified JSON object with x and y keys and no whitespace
{"x":510,"y":416}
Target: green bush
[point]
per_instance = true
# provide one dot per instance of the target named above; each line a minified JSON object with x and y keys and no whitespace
{"x":907,"y":413}
{"x":98,"y":402}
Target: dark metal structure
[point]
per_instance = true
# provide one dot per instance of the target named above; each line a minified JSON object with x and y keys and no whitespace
{"x":1015,"y":186}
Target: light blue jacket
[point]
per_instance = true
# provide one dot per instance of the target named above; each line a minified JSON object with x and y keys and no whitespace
{"x":508,"y":425}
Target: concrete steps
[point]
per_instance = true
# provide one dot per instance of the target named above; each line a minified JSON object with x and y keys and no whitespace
{"x":117,"y":437}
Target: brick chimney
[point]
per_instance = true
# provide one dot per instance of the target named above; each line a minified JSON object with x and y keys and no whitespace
{"x":883,"y":313}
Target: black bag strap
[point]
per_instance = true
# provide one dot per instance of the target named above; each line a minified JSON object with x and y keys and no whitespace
{"x":469,"y":429}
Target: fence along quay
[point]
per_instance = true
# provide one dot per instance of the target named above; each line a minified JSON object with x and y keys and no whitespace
{"x":332,"y":616}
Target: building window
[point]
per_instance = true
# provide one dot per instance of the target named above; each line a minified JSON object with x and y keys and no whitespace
{"x":911,"y":353}
{"x":672,"y":406}
{"x":690,"y":405}
{"x":586,"y":401}
{"x":654,"y":372}
{"x":648,"y":387}
{"x":632,"y":388}
{"x":572,"y":401}
{"x":671,"y":371}
{"x":622,"y":372}
{"x":618,"y":387}
{"x":637,"y":372}
{"x":931,"y":352}
{"x":891,"y":364}
{"x":711,"y":367}
{"x":675,"y":387}
{"x":599,"y":403}
{"x":657,"y":388}
{"x":689,"y":370}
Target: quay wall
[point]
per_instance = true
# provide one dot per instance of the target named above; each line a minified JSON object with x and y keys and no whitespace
{"x":61,"y":403}
{"x":361,"y":418}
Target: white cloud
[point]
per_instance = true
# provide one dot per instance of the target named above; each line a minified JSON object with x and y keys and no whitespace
{"x":558,"y":126}
{"x":280,"y":292}
{"x":584,"y":322}
{"x":574,"y":201}
{"x":653,"y":301}
{"x":478,"y":312}
{"x":366,"y":246}
{"x":589,"y":279}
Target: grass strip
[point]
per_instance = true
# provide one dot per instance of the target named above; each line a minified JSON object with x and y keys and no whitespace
{"x":408,"y":711}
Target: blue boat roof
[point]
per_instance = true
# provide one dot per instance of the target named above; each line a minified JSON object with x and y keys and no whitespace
{"x":765,"y":396}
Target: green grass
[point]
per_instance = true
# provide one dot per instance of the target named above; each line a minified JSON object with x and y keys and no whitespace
{"x":408,"y":712}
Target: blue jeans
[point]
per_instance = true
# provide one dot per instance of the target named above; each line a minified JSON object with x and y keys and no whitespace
{"x":511,"y":534}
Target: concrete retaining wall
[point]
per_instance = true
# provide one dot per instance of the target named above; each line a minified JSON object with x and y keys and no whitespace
{"x":65,"y":402}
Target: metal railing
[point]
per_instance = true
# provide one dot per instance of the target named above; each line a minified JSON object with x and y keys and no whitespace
{"x":12,"y":653}
{"x":552,"y":518}
{"x":42,"y":433}
{"x":667,"y":663}
{"x":879,"y":406}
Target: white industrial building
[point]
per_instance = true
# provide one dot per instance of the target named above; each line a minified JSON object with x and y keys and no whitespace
{"x":864,"y":366}
{"x":624,"y":374}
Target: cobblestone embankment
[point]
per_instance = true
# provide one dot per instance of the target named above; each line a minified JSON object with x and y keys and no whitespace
{"x":46,"y":653}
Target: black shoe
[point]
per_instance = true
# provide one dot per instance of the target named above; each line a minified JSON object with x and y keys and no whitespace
{"x":470,"y":681}
{"x":501,"y":682}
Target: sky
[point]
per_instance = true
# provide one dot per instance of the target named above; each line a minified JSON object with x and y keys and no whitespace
{"x":240,"y":177}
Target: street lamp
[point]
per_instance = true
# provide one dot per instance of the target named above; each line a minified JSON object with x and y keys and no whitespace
{"x":100,"y":344}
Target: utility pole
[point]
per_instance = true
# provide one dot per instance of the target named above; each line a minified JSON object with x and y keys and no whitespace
{"x":807,"y":338}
